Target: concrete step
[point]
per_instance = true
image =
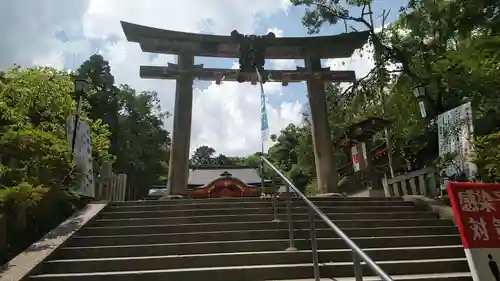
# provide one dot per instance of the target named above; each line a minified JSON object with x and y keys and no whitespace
{"x":206,"y":247}
{"x":263,"y":234}
{"x":455,"y":276}
{"x":117,"y":214}
{"x":245,"y":259}
{"x":254,"y":217}
{"x":265,"y":272}
{"x":256,"y":225}
{"x":249,"y":199}
{"x":257,"y":204}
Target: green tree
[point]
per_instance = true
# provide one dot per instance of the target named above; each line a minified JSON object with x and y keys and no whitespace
{"x":283,"y":153}
{"x":102,"y":100}
{"x":143,"y":144}
{"x":292,"y":153}
{"x":34,"y":104}
{"x":222,"y":159}
{"x":252,"y":160}
{"x":450,"y":47}
{"x":487,"y":157}
{"x":36,"y":164}
{"x":299,"y":177}
{"x":202,"y":155}
{"x":139,"y":142}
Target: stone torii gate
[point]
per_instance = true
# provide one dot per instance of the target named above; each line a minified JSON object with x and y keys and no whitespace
{"x":188,"y":45}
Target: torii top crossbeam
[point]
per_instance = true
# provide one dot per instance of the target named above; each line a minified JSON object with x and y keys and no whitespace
{"x":155,"y":40}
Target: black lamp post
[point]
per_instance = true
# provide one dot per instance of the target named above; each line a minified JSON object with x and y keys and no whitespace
{"x":80,"y":88}
{"x":419,"y":92}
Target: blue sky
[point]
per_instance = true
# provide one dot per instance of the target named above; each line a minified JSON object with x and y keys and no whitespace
{"x":289,"y":22}
{"x":225,"y":117}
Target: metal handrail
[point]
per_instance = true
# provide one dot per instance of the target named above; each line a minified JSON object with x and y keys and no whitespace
{"x":357,"y":252}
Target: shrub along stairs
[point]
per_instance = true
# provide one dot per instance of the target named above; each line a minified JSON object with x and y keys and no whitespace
{"x":237,"y":240}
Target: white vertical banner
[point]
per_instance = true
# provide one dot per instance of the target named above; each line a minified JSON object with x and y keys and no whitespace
{"x":363,"y":150}
{"x":455,"y":133}
{"x":85,"y":185}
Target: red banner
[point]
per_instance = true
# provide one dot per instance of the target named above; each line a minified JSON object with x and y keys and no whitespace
{"x":476,"y":208}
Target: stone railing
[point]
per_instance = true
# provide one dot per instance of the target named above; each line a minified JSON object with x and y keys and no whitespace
{"x":111,"y":186}
{"x":421,"y":182}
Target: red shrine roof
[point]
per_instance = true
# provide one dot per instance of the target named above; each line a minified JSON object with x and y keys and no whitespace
{"x":203,"y":175}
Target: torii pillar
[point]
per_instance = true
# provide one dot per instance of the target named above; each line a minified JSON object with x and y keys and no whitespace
{"x":326,"y":175}
{"x":178,"y":171}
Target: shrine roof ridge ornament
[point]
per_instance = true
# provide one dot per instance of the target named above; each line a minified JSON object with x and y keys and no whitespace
{"x":155,"y":40}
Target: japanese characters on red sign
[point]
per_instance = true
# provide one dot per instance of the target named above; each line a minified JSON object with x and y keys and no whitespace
{"x":476,"y":208}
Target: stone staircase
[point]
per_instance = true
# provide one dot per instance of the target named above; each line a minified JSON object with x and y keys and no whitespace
{"x":236,"y":240}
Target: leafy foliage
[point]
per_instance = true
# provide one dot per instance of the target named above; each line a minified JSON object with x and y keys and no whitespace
{"x":450,"y":47}
{"x":36,"y":164}
{"x":44,"y":209}
{"x":33,"y":148}
{"x":139,"y":143}
{"x":203,"y":156}
{"x":288,"y":152}
{"x":487,"y":157}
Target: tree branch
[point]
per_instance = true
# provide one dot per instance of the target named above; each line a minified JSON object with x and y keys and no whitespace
{"x":346,"y":17}
{"x":356,"y":84}
{"x":393,"y":53}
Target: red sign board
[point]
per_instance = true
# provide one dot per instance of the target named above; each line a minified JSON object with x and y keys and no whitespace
{"x":476,"y":208}
{"x":355,"y":158}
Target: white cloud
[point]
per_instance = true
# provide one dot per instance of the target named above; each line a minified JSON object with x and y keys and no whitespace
{"x":281,"y":63}
{"x":228,"y":116}
{"x":225,"y":117}
{"x":28,"y":29}
{"x":103,"y":17}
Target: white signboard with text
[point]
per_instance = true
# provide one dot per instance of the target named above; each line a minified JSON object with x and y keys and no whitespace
{"x":455,"y":132}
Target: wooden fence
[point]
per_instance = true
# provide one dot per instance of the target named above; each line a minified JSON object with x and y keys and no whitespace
{"x":111,"y":186}
{"x":420,"y":182}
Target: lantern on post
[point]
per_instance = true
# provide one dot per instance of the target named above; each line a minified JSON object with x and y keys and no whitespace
{"x":419,"y":92}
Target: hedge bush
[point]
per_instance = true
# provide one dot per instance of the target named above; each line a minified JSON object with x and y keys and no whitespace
{"x":45,"y":208}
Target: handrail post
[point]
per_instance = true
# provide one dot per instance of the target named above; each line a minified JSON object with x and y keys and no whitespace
{"x":275,"y":208}
{"x":358,"y":271}
{"x":358,"y":253}
{"x":314,"y":245}
{"x":291,"y":240}
{"x":262,"y":181}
